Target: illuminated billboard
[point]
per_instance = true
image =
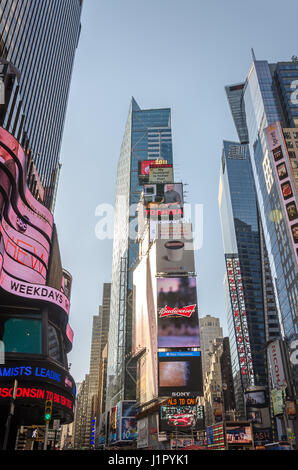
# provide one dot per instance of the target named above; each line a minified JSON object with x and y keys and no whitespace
{"x":239,"y":434}
{"x":185,"y":418}
{"x":181,"y":418}
{"x":161,"y":174}
{"x":255,"y":399}
{"x":25,"y":231}
{"x":163,"y":200}
{"x":286,"y":186}
{"x":178,"y":321}
{"x":175,"y":255}
{"x":179,"y":371}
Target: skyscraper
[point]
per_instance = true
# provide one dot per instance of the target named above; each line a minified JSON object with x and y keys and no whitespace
{"x":147,"y":137}
{"x":38,"y":40}
{"x":242,"y":232}
{"x":268,"y":104}
{"x":210,"y":330}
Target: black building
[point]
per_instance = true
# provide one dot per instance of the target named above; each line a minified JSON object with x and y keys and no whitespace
{"x":38,"y":40}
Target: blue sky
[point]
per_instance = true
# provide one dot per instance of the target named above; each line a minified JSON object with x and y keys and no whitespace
{"x":165,"y":53}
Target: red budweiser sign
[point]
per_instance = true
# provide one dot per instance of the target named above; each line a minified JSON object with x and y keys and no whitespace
{"x":184,"y":311}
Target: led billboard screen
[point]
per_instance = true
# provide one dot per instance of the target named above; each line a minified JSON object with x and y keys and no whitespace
{"x":238,"y":434}
{"x":255,"y":399}
{"x":183,"y":418}
{"x":163,"y":200}
{"x":25,"y":230}
{"x":161,"y":174}
{"x":175,"y":255}
{"x":179,"y":372}
{"x":178,"y":321}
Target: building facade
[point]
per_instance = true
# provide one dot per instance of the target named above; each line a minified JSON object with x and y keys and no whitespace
{"x":38,"y":41}
{"x":147,"y":137}
{"x":210,"y":330}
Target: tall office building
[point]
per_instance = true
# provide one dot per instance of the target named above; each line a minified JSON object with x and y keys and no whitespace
{"x":242,"y":234}
{"x":210,"y":330}
{"x":269,"y":105}
{"x":147,"y":137}
{"x":38,"y":40}
{"x":100,"y":329}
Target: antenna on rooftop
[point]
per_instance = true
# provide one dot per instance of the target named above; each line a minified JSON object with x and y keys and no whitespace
{"x":253,"y":55}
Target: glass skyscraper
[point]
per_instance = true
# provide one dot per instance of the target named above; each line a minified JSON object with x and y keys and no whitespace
{"x":268,"y":101}
{"x":244,"y":282}
{"x":147,"y":136}
{"x":38,"y":40}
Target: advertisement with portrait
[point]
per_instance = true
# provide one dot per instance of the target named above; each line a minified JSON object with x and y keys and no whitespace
{"x":163,"y":200}
{"x":128,"y":421}
{"x":178,"y":321}
{"x":179,"y":371}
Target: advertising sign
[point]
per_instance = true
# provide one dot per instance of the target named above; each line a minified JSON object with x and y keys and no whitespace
{"x":276,"y":364}
{"x":240,"y":318}
{"x":178,"y":321}
{"x":182,"y":418}
{"x":255,"y":399}
{"x":216,"y":436}
{"x":25,"y":230}
{"x":102,"y":429}
{"x":179,"y":372}
{"x":163,"y":200}
{"x":278,"y":401}
{"x":113,"y":425}
{"x":262,"y":436}
{"x":287,"y":187}
{"x":175,"y":255}
{"x":143,"y":433}
{"x":128,"y":421}
{"x":161,"y":174}
{"x":238,"y":434}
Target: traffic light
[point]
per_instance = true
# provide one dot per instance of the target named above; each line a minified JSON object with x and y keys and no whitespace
{"x":48,"y":410}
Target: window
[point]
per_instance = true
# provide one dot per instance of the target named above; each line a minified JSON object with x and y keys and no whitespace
{"x":21,"y":335}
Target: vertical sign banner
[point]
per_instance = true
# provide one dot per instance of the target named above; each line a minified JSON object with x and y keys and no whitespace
{"x":286,"y":186}
{"x":276,"y":365}
{"x":240,"y":319}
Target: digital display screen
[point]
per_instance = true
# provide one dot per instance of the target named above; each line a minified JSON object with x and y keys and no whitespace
{"x":178,"y":321}
{"x":179,"y":373}
{"x":163,"y":200}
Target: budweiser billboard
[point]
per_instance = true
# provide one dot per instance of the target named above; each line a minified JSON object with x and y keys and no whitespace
{"x":178,"y":321}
